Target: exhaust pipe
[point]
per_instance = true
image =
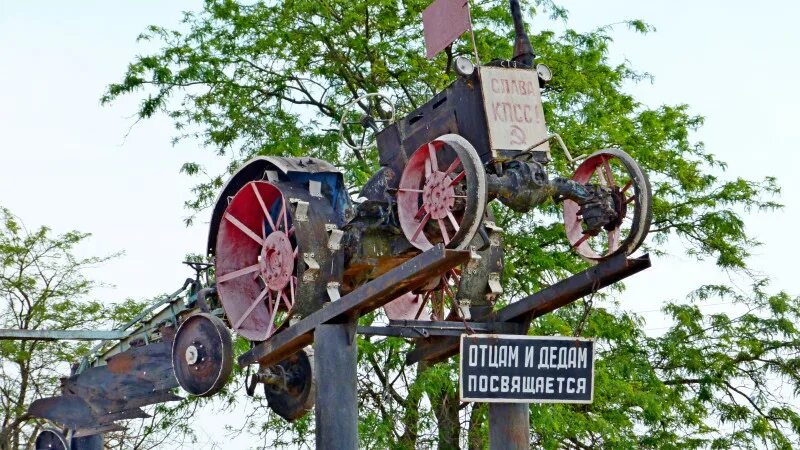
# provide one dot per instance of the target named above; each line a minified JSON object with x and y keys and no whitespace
{"x":523,"y":51}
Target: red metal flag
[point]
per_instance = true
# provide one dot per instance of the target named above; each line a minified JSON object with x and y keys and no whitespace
{"x":443,"y":22}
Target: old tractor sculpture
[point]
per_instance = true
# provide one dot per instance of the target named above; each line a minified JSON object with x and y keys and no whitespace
{"x":288,"y":240}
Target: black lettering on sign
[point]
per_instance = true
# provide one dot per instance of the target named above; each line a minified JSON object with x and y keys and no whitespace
{"x":526,"y":369}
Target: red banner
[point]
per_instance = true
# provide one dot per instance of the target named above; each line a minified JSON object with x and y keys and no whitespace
{"x":443,"y":22}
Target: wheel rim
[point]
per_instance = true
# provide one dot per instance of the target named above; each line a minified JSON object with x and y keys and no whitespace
{"x":50,"y":440}
{"x":630,"y":188}
{"x":296,"y":398}
{"x":202,"y":355}
{"x":257,"y":261}
{"x":442,"y":194}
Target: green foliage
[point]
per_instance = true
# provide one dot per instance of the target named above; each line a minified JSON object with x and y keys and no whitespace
{"x":272,"y":78}
{"x":42,"y":286}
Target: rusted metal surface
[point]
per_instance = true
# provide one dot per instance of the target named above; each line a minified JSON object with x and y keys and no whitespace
{"x":442,"y":193}
{"x":547,"y":300}
{"x":631,"y":198}
{"x":423,"y":328}
{"x":101,"y":395}
{"x":523,"y":50}
{"x":404,"y":278}
{"x":280,"y":169}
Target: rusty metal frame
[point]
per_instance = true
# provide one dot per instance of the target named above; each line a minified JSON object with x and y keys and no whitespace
{"x":62,"y":335}
{"x":547,"y":300}
{"x":406,"y":277}
{"x":426,"y":328}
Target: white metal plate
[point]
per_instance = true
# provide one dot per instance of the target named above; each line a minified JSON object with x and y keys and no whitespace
{"x":513,"y":104}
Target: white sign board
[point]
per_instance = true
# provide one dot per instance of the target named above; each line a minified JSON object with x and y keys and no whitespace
{"x":513,"y":107}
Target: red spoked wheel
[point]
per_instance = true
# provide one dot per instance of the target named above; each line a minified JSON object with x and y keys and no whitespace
{"x":256,"y":261}
{"x":442,"y":194}
{"x":437,"y":301}
{"x":616,"y":171}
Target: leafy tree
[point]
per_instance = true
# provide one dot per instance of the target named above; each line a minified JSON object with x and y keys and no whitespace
{"x":272,"y":78}
{"x":42,"y":286}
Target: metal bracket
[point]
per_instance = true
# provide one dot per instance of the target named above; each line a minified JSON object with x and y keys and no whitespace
{"x":494,"y":233}
{"x":333,"y":291}
{"x":315,"y":188}
{"x":335,"y":237}
{"x":271,"y":175}
{"x":495,"y":287}
{"x":300,"y":210}
{"x":312,"y":267}
{"x":474,"y":261}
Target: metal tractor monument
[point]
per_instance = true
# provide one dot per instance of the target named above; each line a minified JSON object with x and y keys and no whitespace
{"x":297,"y":261}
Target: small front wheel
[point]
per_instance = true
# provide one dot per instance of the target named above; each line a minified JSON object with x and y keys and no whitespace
{"x":202,"y":355}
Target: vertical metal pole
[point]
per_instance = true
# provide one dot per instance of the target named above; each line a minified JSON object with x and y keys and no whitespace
{"x":336,"y":410}
{"x":509,"y":426}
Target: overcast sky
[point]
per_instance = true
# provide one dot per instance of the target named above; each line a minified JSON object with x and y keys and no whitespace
{"x":65,"y":161}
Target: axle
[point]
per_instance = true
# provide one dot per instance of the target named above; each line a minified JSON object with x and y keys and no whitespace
{"x":523,"y":185}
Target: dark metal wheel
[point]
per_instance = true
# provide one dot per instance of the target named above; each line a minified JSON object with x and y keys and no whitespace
{"x":51,"y":439}
{"x":442,"y":194}
{"x":202,"y":355}
{"x":291,"y":388}
{"x":630,"y":189}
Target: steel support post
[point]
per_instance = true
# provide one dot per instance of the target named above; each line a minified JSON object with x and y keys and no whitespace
{"x":509,"y":426}
{"x":336,"y":410}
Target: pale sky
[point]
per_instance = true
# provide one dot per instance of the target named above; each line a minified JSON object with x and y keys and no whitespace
{"x":65,"y":161}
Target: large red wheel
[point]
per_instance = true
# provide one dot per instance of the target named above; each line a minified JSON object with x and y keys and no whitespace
{"x":616,"y":171}
{"x":442,"y":194}
{"x":256,"y":261}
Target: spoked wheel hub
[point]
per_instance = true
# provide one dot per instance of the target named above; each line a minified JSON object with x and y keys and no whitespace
{"x":277,"y":261}
{"x":439,"y":196}
{"x":256,"y":261}
{"x":442,"y":194}
{"x":202,"y":355}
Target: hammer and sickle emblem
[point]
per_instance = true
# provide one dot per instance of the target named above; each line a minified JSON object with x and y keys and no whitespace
{"x":518,"y":136}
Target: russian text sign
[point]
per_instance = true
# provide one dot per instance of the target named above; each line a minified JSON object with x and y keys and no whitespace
{"x":526,"y":369}
{"x":513,"y":106}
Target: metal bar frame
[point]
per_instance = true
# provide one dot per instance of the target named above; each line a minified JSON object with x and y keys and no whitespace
{"x":404,"y":278}
{"x":547,"y":300}
{"x":62,"y":335}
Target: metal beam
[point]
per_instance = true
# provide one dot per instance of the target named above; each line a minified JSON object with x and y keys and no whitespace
{"x":423,"y":329}
{"x":62,"y":335}
{"x":547,"y":300}
{"x":336,"y":408}
{"x":406,"y":277}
